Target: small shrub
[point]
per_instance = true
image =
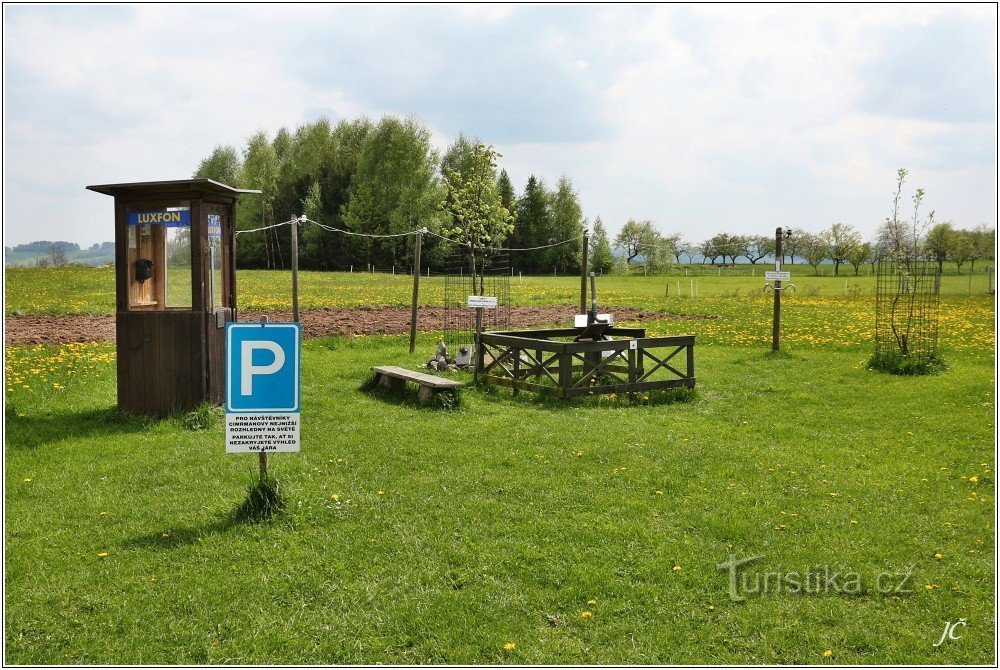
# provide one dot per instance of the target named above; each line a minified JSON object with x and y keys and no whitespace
{"x":896,"y":364}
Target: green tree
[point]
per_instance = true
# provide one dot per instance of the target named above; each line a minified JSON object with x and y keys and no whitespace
{"x":939,"y":243}
{"x":260,"y":170}
{"x":532,"y":226}
{"x":506,"y":190}
{"x":758,"y":247}
{"x":395,"y":188}
{"x":601,"y":258}
{"x":637,"y":238}
{"x":814,"y":249}
{"x":222,"y":165}
{"x":859,"y":255}
{"x":477,"y":218}
{"x":841,"y":239}
{"x":567,"y":223}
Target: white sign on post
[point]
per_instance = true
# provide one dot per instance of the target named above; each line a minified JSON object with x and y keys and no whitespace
{"x":773,"y":275}
{"x":483,"y":301}
{"x":262,"y":387}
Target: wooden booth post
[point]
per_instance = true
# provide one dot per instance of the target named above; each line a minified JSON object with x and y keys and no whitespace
{"x":175,"y":290}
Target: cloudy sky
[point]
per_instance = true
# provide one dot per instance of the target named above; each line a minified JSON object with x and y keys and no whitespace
{"x":700,"y":118}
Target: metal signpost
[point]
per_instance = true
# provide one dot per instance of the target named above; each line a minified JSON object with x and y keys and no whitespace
{"x":262,"y":388}
{"x":778,"y":276}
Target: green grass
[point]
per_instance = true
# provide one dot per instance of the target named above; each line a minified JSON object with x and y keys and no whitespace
{"x":91,"y":290}
{"x":454,"y":533}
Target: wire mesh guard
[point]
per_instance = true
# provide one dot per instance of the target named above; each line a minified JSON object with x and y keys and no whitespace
{"x":907,"y":294}
{"x":460,"y":320}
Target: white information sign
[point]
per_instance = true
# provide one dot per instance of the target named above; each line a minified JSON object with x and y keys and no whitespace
{"x":484,"y":301}
{"x":777,"y":276}
{"x":252,"y":433}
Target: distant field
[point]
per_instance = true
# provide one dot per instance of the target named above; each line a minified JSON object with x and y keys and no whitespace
{"x":91,"y":290}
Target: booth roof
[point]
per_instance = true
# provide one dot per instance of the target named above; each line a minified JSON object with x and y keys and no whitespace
{"x":151,"y":187}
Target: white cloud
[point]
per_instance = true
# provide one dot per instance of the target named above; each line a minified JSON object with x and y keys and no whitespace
{"x":698,"y":117}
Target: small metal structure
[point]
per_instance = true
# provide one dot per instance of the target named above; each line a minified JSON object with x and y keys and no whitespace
{"x":907,"y":297}
{"x":459,"y":319}
{"x":586,"y":359}
{"x":175,"y":289}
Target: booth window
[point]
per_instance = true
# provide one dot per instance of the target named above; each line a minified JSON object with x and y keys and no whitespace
{"x":159,"y":259}
{"x":216,"y":284}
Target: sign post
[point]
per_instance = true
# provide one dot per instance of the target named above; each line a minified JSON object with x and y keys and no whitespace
{"x":480,"y":302}
{"x":777,"y":276}
{"x":262,"y":388}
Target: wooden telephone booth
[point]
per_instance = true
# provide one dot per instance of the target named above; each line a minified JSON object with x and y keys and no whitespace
{"x":175,"y":288}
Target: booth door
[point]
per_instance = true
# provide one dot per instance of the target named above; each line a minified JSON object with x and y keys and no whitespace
{"x":219,"y":299}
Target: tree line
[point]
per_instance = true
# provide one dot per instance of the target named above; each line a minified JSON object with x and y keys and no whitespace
{"x":904,"y":236}
{"x":382,"y":177}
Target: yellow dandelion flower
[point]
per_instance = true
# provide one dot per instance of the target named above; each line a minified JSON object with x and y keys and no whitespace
{"x":828,"y":653}
{"x":509,"y":646}
{"x":677,"y":568}
{"x":973,"y":480}
{"x":592,"y":601}
{"x":102,"y":554}
{"x":335,"y":496}
{"x":938,"y":555}
{"x":27,"y":480}
{"x":586,"y":614}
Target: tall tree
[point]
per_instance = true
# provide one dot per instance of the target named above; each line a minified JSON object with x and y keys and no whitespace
{"x":506,"y":191}
{"x":601,"y":258}
{"x":532,"y":226}
{"x":394,"y":189}
{"x":567,"y":224}
{"x":477,"y":218}
{"x":222,"y":165}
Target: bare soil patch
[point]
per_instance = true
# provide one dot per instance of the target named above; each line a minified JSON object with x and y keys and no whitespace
{"x":315,"y":323}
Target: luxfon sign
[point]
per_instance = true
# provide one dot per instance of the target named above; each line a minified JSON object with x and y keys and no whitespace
{"x":170,"y":218}
{"x":262,"y":387}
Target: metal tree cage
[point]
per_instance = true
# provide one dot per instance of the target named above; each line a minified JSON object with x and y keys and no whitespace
{"x":907,"y":297}
{"x":459,"y":320}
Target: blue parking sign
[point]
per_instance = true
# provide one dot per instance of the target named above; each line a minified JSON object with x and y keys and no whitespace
{"x":262,"y":367}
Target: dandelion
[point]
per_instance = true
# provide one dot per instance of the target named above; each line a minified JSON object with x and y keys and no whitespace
{"x":677,"y":568}
{"x":592,"y":601}
{"x":659,"y":493}
{"x":586,"y":614}
{"x":974,"y":480}
{"x":938,"y":555}
{"x":828,"y":653}
{"x":335,"y":496}
{"x":104,"y":513}
{"x":711,"y":608}
{"x":509,"y":646}
{"x":27,"y":480}
{"x":102,"y":554}
{"x":165,"y":536}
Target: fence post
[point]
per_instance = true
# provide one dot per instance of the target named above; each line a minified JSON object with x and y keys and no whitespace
{"x":417,"y":236}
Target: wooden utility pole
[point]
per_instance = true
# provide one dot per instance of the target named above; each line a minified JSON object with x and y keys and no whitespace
{"x":776,"y":325}
{"x":584,"y":263}
{"x":416,"y":287}
{"x":295,"y":267}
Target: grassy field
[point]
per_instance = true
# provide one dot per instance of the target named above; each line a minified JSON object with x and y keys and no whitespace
{"x":518,"y":530}
{"x":91,"y":290}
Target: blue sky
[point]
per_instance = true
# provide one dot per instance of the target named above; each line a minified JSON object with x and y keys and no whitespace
{"x":701,"y":118}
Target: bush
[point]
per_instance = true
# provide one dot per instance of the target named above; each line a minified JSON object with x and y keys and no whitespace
{"x":896,"y":364}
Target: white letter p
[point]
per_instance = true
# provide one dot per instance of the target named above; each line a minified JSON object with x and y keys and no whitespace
{"x":248,"y":369}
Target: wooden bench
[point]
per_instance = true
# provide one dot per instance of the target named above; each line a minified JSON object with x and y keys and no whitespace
{"x":395,"y":377}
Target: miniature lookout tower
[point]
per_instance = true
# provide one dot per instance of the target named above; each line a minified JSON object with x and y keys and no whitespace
{"x":175,"y":289}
